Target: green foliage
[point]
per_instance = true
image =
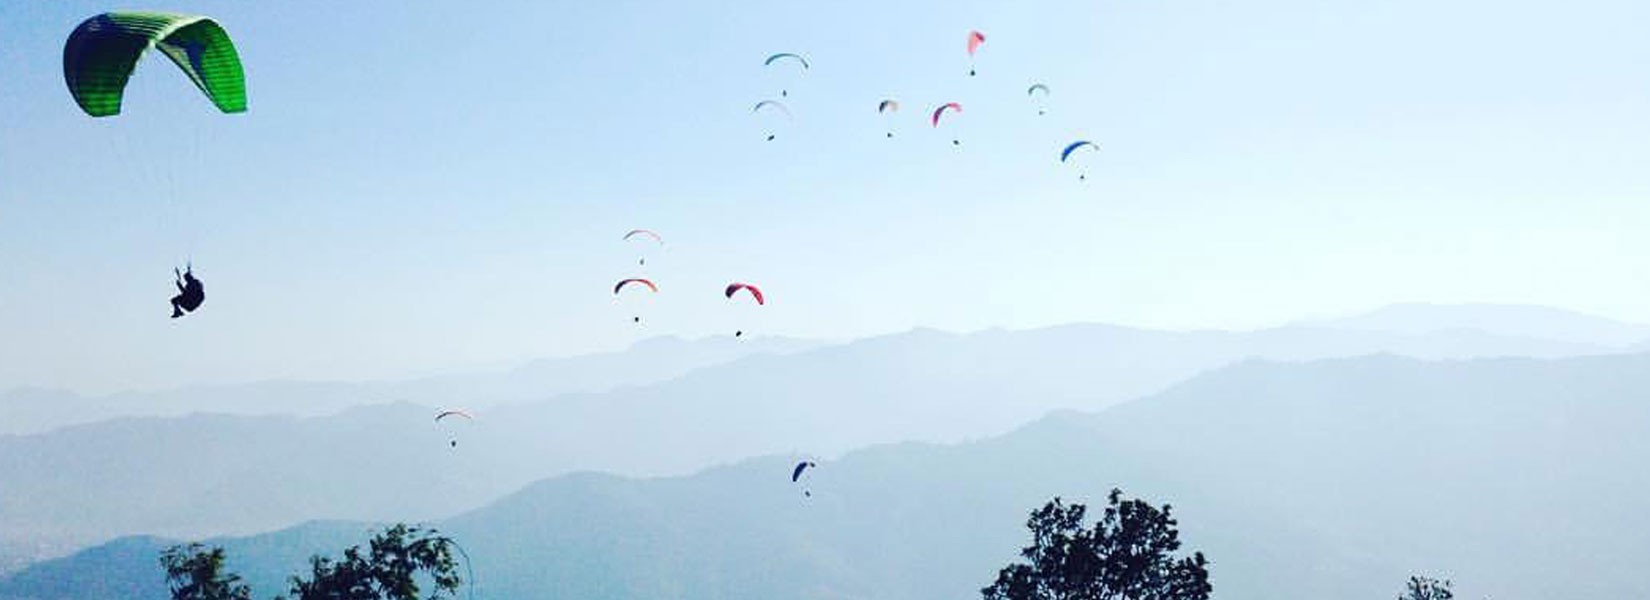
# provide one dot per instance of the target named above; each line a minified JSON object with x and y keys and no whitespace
{"x":1427,"y":588}
{"x":1129,"y":553}
{"x":196,"y":573}
{"x":387,"y":570}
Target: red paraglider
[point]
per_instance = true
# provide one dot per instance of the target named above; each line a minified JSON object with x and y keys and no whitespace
{"x":755,"y":292}
{"x":975,"y":40}
{"x":938,"y":112}
{"x":621,"y":285}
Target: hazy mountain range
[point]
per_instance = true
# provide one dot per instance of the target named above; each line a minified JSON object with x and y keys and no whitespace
{"x":35,"y":410}
{"x":710,"y":402}
{"x":1513,"y":320}
{"x":1517,"y":478}
{"x":211,"y":473}
{"x":1421,"y":330}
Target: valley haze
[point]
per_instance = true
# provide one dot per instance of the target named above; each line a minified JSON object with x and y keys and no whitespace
{"x":1296,"y":402}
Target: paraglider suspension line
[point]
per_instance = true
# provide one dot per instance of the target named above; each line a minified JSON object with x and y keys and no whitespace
{"x":469,"y":570}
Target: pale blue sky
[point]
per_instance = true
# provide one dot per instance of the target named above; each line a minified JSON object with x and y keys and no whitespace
{"x":460,"y":178}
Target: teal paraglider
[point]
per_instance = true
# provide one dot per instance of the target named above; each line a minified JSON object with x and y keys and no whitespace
{"x":789,"y":58}
{"x":1041,"y":99}
{"x":786,"y":55}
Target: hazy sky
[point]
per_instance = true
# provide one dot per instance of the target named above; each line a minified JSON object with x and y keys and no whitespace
{"x":421,"y":186}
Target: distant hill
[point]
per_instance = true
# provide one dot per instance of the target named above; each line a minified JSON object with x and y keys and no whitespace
{"x":1517,"y":478}
{"x":1515,"y":320}
{"x":1420,"y":330}
{"x":921,"y":386}
{"x":35,"y":410}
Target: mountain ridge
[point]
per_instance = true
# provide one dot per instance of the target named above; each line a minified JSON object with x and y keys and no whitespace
{"x":1271,"y":467}
{"x":263,"y":473}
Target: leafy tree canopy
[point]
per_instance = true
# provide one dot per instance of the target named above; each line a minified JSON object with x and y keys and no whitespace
{"x":1130,"y":553}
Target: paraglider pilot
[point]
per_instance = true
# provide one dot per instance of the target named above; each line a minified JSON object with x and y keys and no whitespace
{"x":190,"y":292}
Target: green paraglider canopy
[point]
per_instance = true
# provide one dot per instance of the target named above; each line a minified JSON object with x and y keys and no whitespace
{"x":101,"y":53}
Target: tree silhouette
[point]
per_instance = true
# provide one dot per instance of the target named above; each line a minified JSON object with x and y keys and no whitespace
{"x":1127,"y":555}
{"x":1427,"y":588}
{"x":387,"y":570}
{"x":195,"y":573}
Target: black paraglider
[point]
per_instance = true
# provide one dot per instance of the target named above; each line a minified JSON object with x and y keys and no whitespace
{"x":191,"y":293}
{"x":796,"y":474}
{"x":452,"y":439}
{"x":800,"y":467}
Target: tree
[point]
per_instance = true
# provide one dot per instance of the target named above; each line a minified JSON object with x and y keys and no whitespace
{"x":1129,"y":554}
{"x":195,"y":573}
{"x":1427,"y":588}
{"x":387,"y":570}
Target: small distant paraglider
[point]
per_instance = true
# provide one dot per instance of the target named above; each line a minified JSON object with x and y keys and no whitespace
{"x":771,"y":106}
{"x":1039,"y":94}
{"x":755,"y":294}
{"x":940,"y":112}
{"x":1065,"y":155}
{"x":634,"y":281}
{"x":888,"y":107}
{"x":191,"y":292}
{"x":736,"y":287}
{"x":445,"y":414}
{"x":644,"y":234}
{"x":796,"y":475}
{"x":787,"y":58}
{"x":453,"y":412}
{"x":975,"y":40}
